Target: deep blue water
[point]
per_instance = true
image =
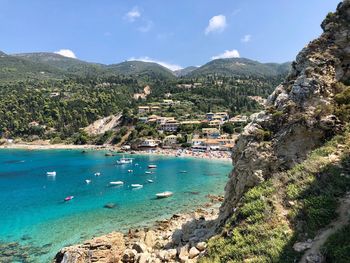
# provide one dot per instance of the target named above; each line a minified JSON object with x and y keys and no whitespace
{"x":33,"y":211}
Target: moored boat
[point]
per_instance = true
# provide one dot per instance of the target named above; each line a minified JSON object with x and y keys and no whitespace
{"x":124,"y":160}
{"x":136,"y":185}
{"x":152,"y":166}
{"x":116,"y":183}
{"x":164,"y":194}
{"x":68,"y":198}
{"x":51,"y":173}
{"x":88,"y":181}
{"x":97,"y":174}
{"x":150,"y":181}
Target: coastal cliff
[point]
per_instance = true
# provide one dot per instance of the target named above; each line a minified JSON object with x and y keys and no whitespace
{"x":300,"y":112}
{"x":288,"y":196}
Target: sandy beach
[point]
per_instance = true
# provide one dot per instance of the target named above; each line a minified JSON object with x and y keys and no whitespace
{"x":44,"y":145}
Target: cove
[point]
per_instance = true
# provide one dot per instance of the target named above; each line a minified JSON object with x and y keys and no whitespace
{"x":35,"y":216}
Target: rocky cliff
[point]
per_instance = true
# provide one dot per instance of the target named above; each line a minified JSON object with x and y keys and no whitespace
{"x":299,"y":115}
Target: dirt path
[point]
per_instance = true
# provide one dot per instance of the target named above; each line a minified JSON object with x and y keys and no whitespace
{"x":343,"y":219}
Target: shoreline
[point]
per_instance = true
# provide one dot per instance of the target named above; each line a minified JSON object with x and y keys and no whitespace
{"x":185,"y":153}
{"x":179,"y":238}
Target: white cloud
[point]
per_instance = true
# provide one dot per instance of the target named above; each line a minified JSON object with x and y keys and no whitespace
{"x":66,"y":53}
{"x":162,"y":63}
{"x":133,"y":14}
{"x":246,"y":38}
{"x":227,"y":54}
{"x":216,"y":24}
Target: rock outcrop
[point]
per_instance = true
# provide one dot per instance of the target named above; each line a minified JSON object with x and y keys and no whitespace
{"x":298,"y":116}
{"x":104,"y":249}
{"x":100,"y":126}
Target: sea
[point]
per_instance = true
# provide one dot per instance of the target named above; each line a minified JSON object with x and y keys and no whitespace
{"x":36,"y":222}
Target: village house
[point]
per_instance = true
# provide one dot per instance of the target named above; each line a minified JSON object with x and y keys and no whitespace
{"x":211,"y":132}
{"x":239,"y":119}
{"x":143,"y":109}
{"x":162,"y":120}
{"x":190,"y":122}
{"x":170,"y":140}
{"x":212,"y":144}
{"x":170,"y":125}
{"x":149,"y":143}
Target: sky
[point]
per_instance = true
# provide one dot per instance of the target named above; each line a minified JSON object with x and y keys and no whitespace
{"x":176,"y":34}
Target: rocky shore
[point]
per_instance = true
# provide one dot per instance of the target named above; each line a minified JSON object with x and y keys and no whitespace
{"x":181,"y":238}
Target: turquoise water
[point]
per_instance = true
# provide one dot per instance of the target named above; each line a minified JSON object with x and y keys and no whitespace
{"x":34,"y":214}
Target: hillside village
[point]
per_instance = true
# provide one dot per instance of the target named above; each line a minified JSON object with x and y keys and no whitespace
{"x":211,"y":131}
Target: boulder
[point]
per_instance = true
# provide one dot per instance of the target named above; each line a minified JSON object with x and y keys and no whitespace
{"x":201,"y":246}
{"x":150,"y":238}
{"x":129,"y":256}
{"x":183,"y":253}
{"x":140,"y":247}
{"x":193,"y":252}
{"x":142,"y":257}
{"x":107,"y":248}
{"x":302,"y":246}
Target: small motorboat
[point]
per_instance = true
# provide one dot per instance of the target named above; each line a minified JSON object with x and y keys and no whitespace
{"x":130,"y":171}
{"x":116,"y":183}
{"x":150,"y":181}
{"x":68,"y":198}
{"x":97,"y":174}
{"x":164,"y":194}
{"x":152,"y":166}
{"x":183,"y":172}
{"x":88,"y":181}
{"x":149,"y":172}
{"x":51,"y":173}
{"x":136,"y":185}
{"x":124,"y":160}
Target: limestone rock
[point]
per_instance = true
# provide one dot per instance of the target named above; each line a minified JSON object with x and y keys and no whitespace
{"x":298,"y":117}
{"x":302,"y":246}
{"x":193,"y":252}
{"x":108,"y":248}
{"x":150,"y":238}
{"x":139,"y":247}
{"x":201,"y":246}
{"x":129,"y":256}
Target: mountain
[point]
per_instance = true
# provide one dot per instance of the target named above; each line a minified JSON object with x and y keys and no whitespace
{"x":16,"y":68}
{"x":70,"y":65}
{"x":2,"y":53}
{"x":240,"y":67}
{"x":141,"y":69}
{"x":35,"y":65}
{"x":184,"y":71}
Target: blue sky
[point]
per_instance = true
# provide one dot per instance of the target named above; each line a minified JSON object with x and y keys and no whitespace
{"x":178,"y":33}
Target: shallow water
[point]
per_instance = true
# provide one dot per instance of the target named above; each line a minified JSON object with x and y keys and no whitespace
{"x":34,"y":214}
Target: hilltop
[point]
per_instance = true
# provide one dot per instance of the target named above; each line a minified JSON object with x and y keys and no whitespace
{"x":240,"y":67}
{"x":35,"y":65}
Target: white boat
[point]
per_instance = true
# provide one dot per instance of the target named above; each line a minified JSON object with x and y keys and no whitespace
{"x":116,"y":183}
{"x":124,"y":160}
{"x":51,"y":173}
{"x":150,"y":181}
{"x":136,"y":185}
{"x":130,"y":171}
{"x":149,"y":172}
{"x":88,"y":181}
{"x":152,"y":166}
{"x":164,"y":194}
{"x":97,"y":174}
